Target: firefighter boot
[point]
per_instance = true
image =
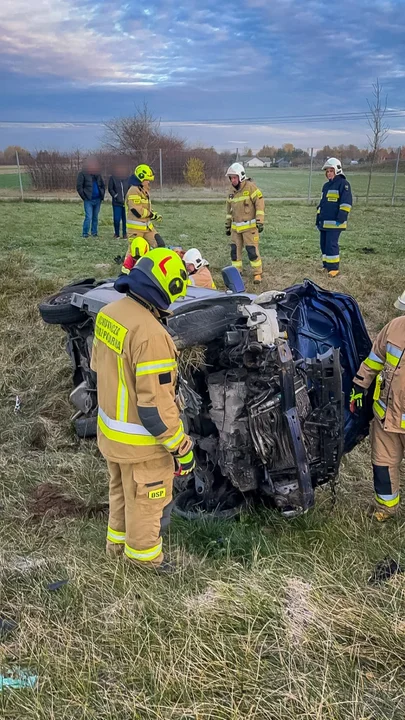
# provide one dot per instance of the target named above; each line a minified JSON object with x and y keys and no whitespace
{"x":257,"y":279}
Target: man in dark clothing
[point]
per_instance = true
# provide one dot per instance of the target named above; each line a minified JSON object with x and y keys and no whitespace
{"x":118,"y":185}
{"x":91,"y":188}
{"x":332,"y":213}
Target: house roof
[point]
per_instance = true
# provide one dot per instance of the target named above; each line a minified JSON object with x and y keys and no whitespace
{"x":246,"y":158}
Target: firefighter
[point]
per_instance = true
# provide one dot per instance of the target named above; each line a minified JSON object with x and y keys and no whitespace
{"x":140,"y":215}
{"x":332,"y":213}
{"x":140,"y":432}
{"x":244,"y":219}
{"x":137,"y":248}
{"x":197,"y":269}
{"x":386,"y":365}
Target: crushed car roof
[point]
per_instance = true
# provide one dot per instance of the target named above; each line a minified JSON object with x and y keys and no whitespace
{"x":98,"y":297}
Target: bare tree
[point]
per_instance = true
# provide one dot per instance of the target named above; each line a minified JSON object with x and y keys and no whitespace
{"x":379,"y":128}
{"x":131,"y":135}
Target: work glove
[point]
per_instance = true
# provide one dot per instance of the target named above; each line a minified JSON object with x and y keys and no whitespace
{"x":227,"y":231}
{"x":260,"y":227}
{"x":156,"y":216}
{"x":184,"y":458}
{"x":356,"y":398}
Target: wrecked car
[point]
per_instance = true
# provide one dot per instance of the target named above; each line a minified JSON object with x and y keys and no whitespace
{"x":264,"y":385}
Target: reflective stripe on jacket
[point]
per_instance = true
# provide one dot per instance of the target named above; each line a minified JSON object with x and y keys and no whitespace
{"x":386,"y":364}
{"x":138,"y":209}
{"x":135,"y":361}
{"x":335,"y":205}
{"x":244,"y":207}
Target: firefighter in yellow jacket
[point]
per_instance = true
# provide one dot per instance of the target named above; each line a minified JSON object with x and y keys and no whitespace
{"x":137,"y":248}
{"x":198,"y":269}
{"x":386,"y":365}
{"x":140,"y":432}
{"x":139,"y":213}
{"x":244,"y":219}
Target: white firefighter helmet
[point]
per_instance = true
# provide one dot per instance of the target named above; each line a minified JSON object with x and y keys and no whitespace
{"x":237,"y":169}
{"x":194,"y":257}
{"x":400,"y":303}
{"x":335,"y":164}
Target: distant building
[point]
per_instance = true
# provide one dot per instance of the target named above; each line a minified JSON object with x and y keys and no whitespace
{"x":255,"y":161}
{"x":267,"y":161}
{"x":283,"y":163}
{"x":252,"y":162}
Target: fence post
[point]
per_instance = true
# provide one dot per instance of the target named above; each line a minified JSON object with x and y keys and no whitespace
{"x":161,"y":173}
{"x":394,"y":184}
{"x":310,"y":176}
{"x":19,"y":175}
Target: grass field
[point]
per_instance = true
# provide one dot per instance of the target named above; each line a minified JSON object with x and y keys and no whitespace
{"x":275,"y":183}
{"x":267,"y":619}
{"x":10,"y":181}
{"x":294,"y":183}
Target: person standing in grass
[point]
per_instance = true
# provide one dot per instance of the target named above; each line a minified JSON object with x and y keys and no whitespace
{"x":244,"y":220}
{"x":332,"y":214}
{"x":140,"y":431}
{"x":386,"y":366}
{"x":118,"y":185}
{"x":91,"y":188}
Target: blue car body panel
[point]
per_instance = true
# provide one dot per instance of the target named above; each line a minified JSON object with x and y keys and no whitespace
{"x":318,"y":320}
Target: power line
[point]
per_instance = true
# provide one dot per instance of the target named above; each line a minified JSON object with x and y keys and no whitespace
{"x":258,"y":120}
{"x":283,"y":119}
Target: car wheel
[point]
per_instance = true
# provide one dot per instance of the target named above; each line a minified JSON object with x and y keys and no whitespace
{"x":85,"y":427}
{"x":58,"y":310}
{"x":188,"y":505}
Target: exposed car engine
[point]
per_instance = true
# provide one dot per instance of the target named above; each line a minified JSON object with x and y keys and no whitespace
{"x":264,"y":416}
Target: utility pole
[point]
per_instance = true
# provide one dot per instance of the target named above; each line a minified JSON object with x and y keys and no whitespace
{"x":310,"y":176}
{"x":394,"y":184}
{"x":19,"y":175}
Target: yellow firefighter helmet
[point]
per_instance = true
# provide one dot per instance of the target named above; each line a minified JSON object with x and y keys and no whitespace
{"x":166,"y":270}
{"x":144,"y":172}
{"x":138,"y":247}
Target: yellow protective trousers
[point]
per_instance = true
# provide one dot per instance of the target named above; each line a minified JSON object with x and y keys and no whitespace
{"x":250,"y":240}
{"x":387,"y":452}
{"x":140,"y":506}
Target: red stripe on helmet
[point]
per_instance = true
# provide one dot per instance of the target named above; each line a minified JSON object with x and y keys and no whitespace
{"x":162,"y":264}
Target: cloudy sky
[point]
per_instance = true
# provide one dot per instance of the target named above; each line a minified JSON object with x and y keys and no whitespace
{"x":205,"y":69}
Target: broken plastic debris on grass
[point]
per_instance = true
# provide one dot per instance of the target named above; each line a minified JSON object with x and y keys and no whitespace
{"x":18,"y":679}
{"x":57,"y":585}
{"x":6,"y":626}
{"x":385,"y":570}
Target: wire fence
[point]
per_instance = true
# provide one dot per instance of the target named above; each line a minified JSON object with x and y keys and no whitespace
{"x":198,"y":177}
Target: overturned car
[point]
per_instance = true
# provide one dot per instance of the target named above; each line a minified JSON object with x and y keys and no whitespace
{"x":264,"y":385}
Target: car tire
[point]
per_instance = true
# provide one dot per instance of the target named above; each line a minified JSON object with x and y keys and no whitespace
{"x":85,"y":427}
{"x":57,"y":309}
{"x":187,"y":506}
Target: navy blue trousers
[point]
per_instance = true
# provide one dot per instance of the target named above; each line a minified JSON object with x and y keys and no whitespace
{"x":330,"y":248}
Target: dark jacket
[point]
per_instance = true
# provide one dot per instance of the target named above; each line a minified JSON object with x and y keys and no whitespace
{"x":335,"y":205}
{"x":118,"y":189}
{"x":84,"y":185}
